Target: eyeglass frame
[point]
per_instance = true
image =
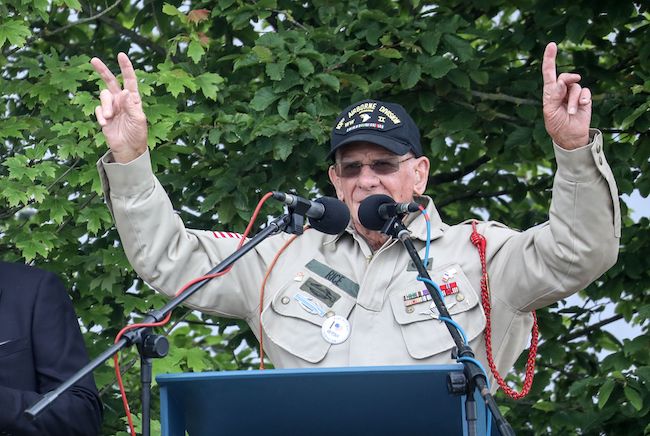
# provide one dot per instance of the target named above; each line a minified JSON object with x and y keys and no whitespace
{"x":339,"y":172}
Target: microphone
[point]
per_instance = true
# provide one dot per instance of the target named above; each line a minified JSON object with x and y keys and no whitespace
{"x":376,"y":209}
{"x":326,"y":214}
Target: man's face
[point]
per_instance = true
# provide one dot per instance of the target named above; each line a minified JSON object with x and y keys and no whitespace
{"x":355,"y":179}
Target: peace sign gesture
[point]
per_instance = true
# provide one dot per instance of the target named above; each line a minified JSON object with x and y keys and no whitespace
{"x":567,"y":106}
{"x":120,"y":114}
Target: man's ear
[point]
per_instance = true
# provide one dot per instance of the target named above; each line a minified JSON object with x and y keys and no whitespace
{"x":336,"y":181}
{"x":421,"y":168}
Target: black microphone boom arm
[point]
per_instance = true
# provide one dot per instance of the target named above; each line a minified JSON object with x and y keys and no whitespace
{"x":475,"y":376}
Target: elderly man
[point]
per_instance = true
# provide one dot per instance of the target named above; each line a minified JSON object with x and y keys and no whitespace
{"x":351,"y":298}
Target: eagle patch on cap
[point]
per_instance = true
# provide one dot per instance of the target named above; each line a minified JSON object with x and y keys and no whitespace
{"x":369,"y":115}
{"x":382,"y":123}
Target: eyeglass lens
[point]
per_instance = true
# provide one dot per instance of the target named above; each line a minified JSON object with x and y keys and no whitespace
{"x":379,"y":166}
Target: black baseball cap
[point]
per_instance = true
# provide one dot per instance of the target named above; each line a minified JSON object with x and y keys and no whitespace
{"x":382,"y":123}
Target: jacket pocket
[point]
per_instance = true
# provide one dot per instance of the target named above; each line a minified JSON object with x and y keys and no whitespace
{"x":297,"y":312}
{"x":12,"y":346}
{"x":424,"y":334}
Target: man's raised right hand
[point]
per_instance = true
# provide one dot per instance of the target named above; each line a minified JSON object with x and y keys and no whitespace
{"x":120,"y":113}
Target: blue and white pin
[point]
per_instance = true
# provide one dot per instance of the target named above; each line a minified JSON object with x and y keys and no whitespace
{"x":336,"y":329}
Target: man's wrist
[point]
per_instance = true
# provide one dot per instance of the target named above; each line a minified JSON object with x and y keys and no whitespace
{"x":126,"y":156}
{"x":581,"y":164}
{"x":575,"y":144}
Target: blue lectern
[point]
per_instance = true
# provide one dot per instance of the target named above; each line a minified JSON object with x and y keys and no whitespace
{"x":387,"y":400}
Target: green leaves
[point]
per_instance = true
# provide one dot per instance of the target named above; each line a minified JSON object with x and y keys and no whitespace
{"x":175,"y":80}
{"x":13,"y":31}
{"x":459,"y":46}
{"x":39,"y":242}
{"x":634,"y":397}
{"x":604,"y":393}
{"x":329,"y":80}
{"x":195,"y":50}
{"x":429,"y":41}
{"x":410,"y":75}
{"x":240,"y":99}
{"x":209,"y":84}
{"x":171,"y":10}
{"x":389,"y":53}
{"x":263,"y":98}
{"x":438,"y":66}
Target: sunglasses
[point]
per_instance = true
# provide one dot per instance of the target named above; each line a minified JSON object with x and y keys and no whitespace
{"x":380,"y":167}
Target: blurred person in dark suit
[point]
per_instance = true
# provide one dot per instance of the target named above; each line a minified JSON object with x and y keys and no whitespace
{"x":41,"y":346}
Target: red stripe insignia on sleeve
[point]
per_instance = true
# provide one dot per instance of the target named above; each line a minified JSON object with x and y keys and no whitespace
{"x":226,"y":235}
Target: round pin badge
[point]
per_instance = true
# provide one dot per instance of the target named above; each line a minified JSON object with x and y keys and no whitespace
{"x":336,"y":329}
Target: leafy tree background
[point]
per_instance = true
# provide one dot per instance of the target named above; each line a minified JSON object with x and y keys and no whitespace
{"x":240,"y":97}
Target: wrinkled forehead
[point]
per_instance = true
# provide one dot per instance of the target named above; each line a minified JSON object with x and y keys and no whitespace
{"x":362,"y":150}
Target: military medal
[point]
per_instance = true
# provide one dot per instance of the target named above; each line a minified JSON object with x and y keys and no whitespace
{"x":308,"y":304}
{"x":450,"y":288}
{"x":416,"y":297}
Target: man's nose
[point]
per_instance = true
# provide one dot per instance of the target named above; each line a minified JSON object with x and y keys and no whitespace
{"x":367,"y":177}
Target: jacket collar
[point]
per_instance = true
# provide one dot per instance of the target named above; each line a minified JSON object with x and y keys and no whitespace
{"x":417,"y":224}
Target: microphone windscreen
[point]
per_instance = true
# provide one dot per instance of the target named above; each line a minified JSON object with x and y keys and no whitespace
{"x":335,"y":219}
{"x":369,"y":211}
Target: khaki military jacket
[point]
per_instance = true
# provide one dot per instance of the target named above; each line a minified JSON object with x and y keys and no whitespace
{"x":319,"y":275}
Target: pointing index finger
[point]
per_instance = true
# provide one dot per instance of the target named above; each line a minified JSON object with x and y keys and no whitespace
{"x":548,"y":64}
{"x":128,"y":73}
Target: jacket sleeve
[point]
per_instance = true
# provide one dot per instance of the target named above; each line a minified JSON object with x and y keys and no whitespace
{"x":165,"y":253}
{"x":574,"y":247}
{"x":59,"y":352}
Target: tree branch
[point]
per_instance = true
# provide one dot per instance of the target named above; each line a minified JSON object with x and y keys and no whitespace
{"x":471,"y":194}
{"x":476,"y":193}
{"x":124,"y":368}
{"x":496,"y":114}
{"x":591,"y":328}
{"x":65,"y":173}
{"x":564,"y":372}
{"x":504,"y":97}
{"x":85,"y":203}
{"x":203,"y":323}
{"x":460,"y":173}
{"x":288,"y":17}
{"x":45,"y":33}
{"x":12,"y":211}
{"x":84,"y":20}
{"x":133,"y":35}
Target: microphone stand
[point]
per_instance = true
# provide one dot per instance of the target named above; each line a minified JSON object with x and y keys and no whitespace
{"x":151,"y":345}
{"x":475,"y":378}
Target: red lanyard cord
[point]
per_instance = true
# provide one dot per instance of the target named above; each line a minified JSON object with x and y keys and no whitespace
{"x":263,"y":286}
{"x":480,"y":242}
{"x":164,"y":321}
